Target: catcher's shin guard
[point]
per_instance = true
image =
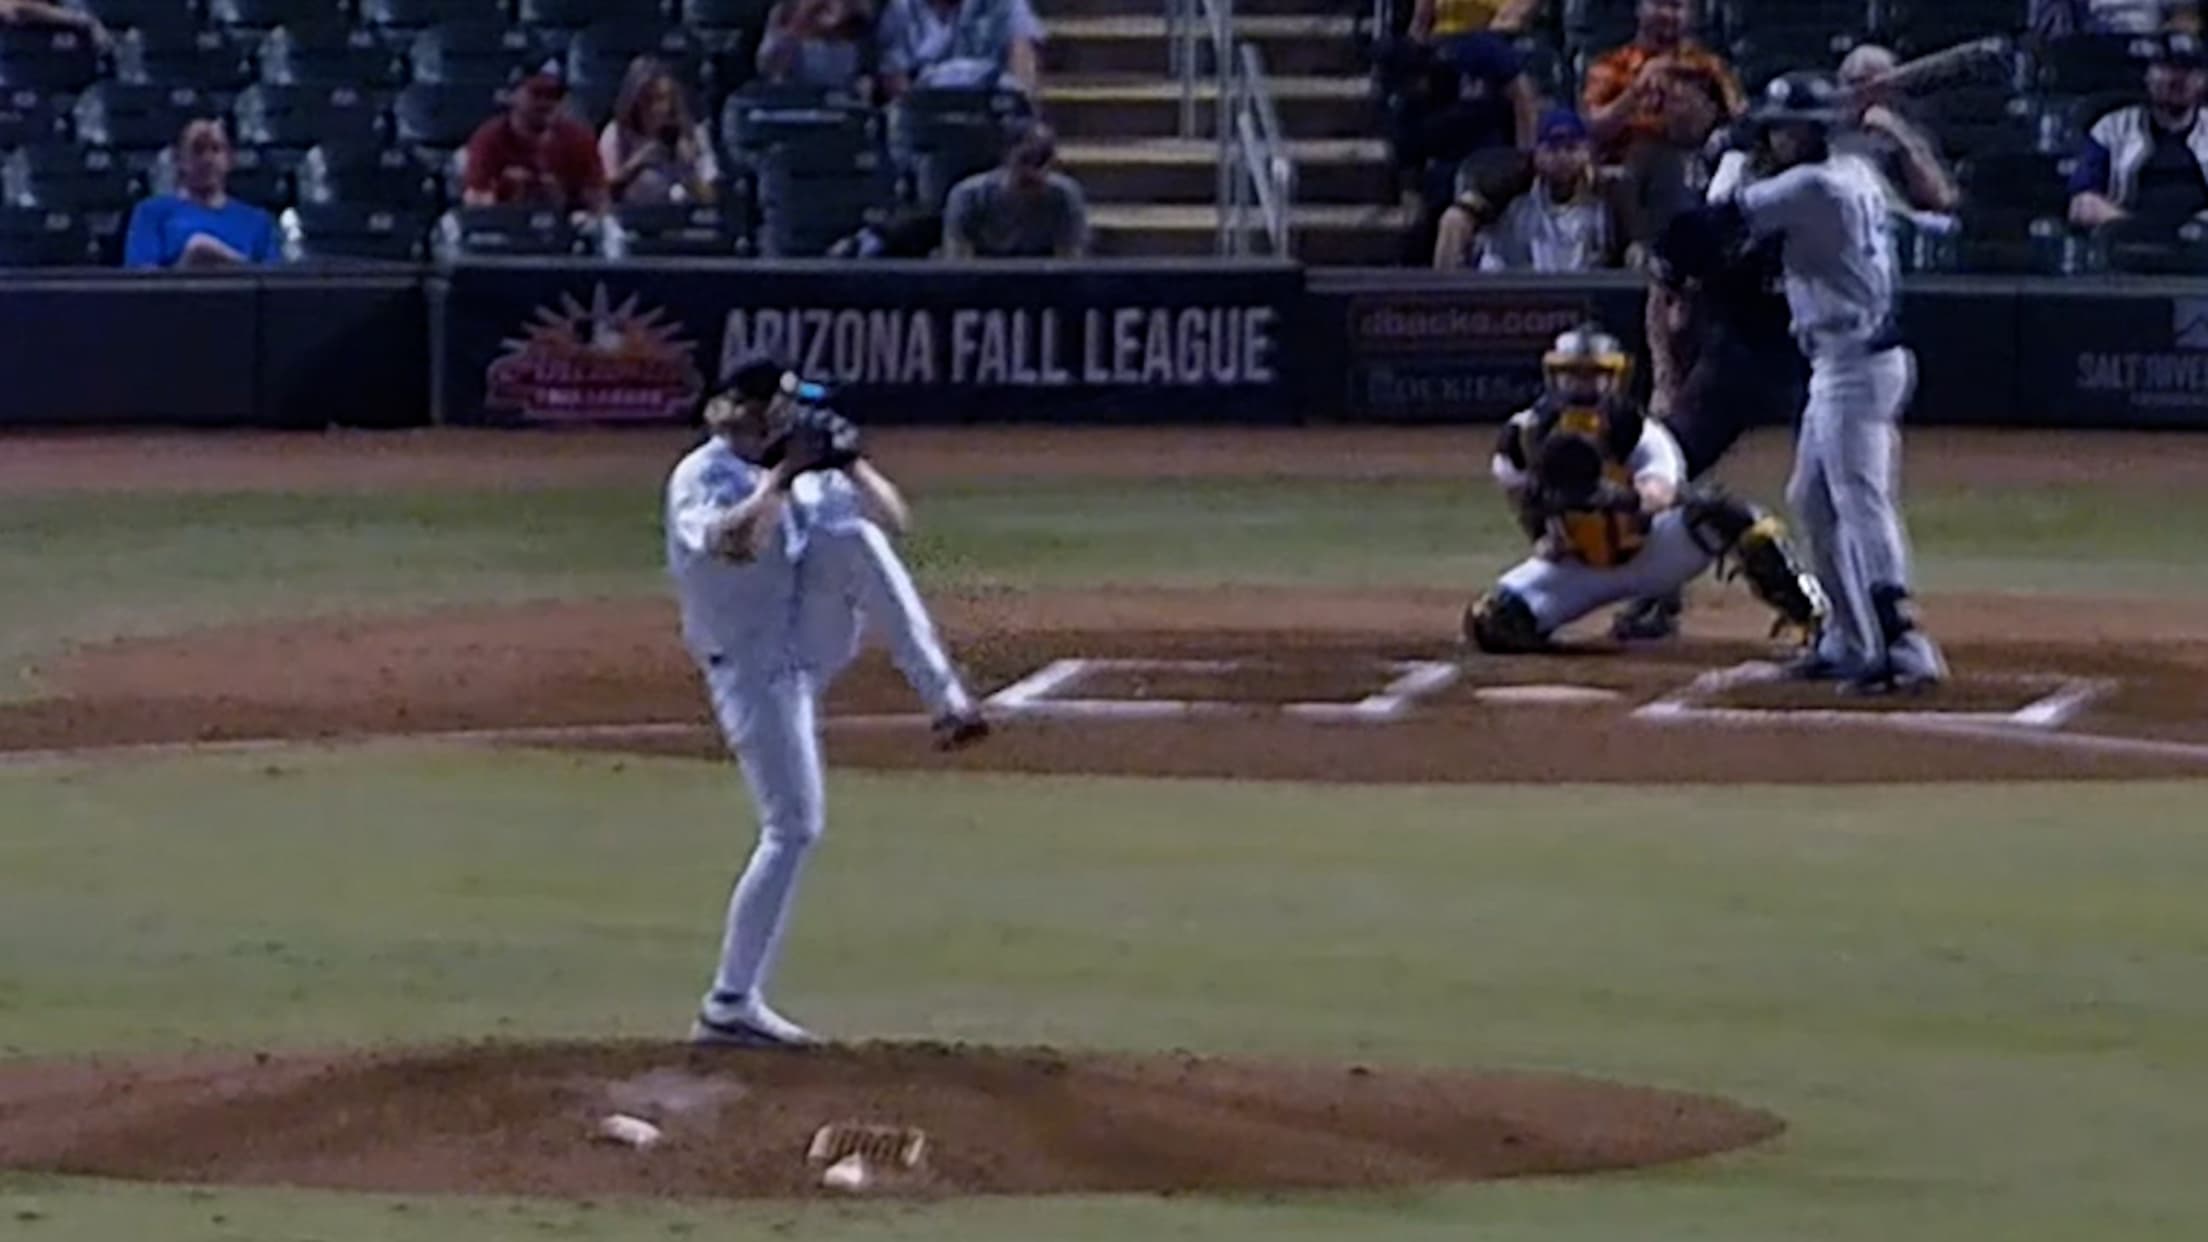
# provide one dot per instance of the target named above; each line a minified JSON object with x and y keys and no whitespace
{"x":1756,"y":543}
{"x":1500,"y":623}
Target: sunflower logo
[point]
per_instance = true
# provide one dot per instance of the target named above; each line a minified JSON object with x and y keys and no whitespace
{"x":599,"y":362}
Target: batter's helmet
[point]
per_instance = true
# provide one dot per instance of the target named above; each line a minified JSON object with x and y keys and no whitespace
{"x":1800,"y":99}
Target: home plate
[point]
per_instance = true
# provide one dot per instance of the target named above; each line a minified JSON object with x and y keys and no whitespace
{"x":1545,"y":696}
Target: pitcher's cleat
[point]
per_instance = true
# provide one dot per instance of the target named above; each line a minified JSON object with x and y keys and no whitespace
{"x":746,"y":1022}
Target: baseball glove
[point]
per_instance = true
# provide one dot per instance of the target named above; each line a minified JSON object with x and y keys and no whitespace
{"x":1567,"y":478}
{"x":816,"y":438}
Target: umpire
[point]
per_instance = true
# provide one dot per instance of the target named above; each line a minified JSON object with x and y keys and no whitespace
{"x":1722,"y":354}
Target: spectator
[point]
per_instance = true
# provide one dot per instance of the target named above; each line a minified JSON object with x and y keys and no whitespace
{"x":1651,"y":106}
{"x":2060,"y":19}
{"x":40,"y":13}
{"x":1023,"y":210}
{"x":2143,"y":171}
{"x":652,"y":151}
{"x":1893,"y":144}
{"x":1472,"y":98}
{"x":1437,"y":21}
{"x":1558,"y":222}
{"x":200,"y":225}
{"x":959,"y":43}
{"x":534,"y":154}
{"x":817,"y":43}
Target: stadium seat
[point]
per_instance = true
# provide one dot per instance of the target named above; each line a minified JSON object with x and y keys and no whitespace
{"x":505,"y":231}
{"x":576,"y":14}
{"x":334,"y":173}
{"x":2092,"y":65}
{"x":298,"y":117}
{"x":121,"y":15}
{"x":268,"y":14}
{"x":131,"y":117}
{"x":2024,"y":181}
{"x":692,"y":230}
{"x":755,"y":120}
{"x":327,"y":231}
{"x":1974,"y":120}
{"x":329,"y":54}
{"x":442,"y":115}
{"x":939,"y":137}
{"x":30,"y":118}
{"x":70,"y":177}
{"x":600,"y":54}
{"x":1921,"y":26}
{"x":399,"y":20}
{"x":90,"y":182}
{"x":184,"y":56}
{"x":814,"y":193}
{"x":726,"y":16}
{"x":42,"y":237}
{"x":48,"y":60}
{"x":1548,"y":68}
{"x":473,"y":52}
{"x":1596,"y":26}
{"x":1763,"y":56}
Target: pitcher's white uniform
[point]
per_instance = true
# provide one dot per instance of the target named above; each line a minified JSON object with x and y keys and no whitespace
{"x":1560,"y":585}
{"x":1842,"y":283}
{"x":769,"y":635}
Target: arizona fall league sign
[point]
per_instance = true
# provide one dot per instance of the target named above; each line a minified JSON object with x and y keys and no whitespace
{"x":573,"y":343}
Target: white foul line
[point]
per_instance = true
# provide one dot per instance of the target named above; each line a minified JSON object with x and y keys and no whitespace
{"x":2037,"y":724}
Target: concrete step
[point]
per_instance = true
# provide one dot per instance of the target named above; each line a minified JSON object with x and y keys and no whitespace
{"x":1150,"y":106}
{"x":1326,"y":236}
{"x":1055,"y":11}
{"x":1291,"y":44}
{"x":1176,"y":170}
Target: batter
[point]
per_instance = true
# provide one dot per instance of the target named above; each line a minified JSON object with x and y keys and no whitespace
{"x":1830,"y":214}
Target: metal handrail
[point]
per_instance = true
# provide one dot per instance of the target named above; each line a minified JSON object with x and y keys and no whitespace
{"x":1269,"y":172}
{"x":1252,"y":160}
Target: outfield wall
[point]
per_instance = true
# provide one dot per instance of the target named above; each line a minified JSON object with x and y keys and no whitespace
{"x":527,"y":342}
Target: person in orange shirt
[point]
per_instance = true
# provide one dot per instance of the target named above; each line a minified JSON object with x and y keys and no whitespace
{"x":1652,"y":104}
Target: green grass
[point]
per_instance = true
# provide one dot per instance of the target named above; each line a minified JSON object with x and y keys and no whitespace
{"x":78,"y":567}
{"x":1979,"y":1007}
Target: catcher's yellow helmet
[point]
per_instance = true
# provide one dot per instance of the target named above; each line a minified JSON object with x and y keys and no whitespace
{"x":1587,"y":350}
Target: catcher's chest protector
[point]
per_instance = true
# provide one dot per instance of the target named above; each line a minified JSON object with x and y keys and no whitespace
{"x":1594,"y":537}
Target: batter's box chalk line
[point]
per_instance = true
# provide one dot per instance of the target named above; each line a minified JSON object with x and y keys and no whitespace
{"x":1046,"y":692}
{"x":2039,"y":723}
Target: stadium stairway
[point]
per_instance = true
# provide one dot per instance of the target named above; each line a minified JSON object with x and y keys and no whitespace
{"x":1109,"y":90}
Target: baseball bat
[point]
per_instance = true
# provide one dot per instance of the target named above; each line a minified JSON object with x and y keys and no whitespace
{"x":1935,"y":69}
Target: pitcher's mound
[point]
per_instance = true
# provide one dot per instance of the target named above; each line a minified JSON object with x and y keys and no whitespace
{"x":520,"y":1120}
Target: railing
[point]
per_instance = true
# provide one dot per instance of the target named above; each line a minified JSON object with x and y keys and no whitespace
{"x":1253,"y":168}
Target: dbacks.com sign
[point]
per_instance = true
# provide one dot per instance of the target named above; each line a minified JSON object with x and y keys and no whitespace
{"x":1115,"y":346}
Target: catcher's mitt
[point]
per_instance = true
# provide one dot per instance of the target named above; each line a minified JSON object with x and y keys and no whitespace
{"x":1567,"y":477}
{"x":816,"y":438}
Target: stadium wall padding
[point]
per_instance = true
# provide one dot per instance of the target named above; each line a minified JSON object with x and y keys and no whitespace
{"x":530,"y":342}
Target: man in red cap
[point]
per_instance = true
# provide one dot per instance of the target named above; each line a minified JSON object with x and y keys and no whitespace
{"x":535,"y":154}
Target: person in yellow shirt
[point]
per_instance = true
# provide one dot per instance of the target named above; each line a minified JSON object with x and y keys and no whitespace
{"x":1434,"y":20}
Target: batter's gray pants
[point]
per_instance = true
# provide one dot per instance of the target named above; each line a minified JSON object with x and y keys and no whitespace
{"x":1844,"y":489}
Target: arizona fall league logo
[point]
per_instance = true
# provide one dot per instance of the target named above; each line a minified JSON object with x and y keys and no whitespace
{"x":597,"y":363}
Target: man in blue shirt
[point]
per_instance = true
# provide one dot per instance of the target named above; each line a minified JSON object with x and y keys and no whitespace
{"x":200,"y":225}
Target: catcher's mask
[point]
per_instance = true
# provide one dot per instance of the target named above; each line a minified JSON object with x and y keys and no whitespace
{"x":1586,"y":364}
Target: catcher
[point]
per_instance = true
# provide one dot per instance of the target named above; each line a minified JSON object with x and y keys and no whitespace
{"x":776,"y":542}
{"x":1599,"y":488}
